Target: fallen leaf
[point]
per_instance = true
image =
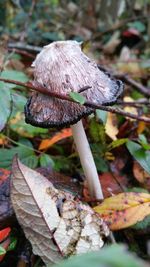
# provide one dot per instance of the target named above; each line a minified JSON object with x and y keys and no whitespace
{"x":110,"y":185}
{"x":111,"y":126}
{"x":125,"y":54}
{"x":4,"y":241}
{"x":131,"y":32}
{"x":113,"y":42}
{"x":56,"y":225}
{"x":3,"y":140}
{"x":141,"y":175}
{"x":124,"y":209}
{"x":133,"y":68}
{"x":7,"y":217}
{"x":129,"y":109}
{"x":4,"y":233}
{"x":4,"y":174}
{"x":141,"y":127}
{"x":4,"y":245}
{"x":46,"y":143}
{"x":61,"y":181}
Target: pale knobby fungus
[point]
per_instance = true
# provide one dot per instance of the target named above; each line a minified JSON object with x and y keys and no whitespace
{"x":63,"y":68}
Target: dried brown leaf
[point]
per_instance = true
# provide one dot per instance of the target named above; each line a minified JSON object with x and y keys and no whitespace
{"x":55,"y":223}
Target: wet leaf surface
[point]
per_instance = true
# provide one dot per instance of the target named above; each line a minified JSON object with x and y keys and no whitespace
{"x":125,"y":209}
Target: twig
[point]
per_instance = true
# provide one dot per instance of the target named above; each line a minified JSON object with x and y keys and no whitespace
{"x":138,"y":104}
{"x":21,"y":52}
{"x":44,"y":90}
{"x":25,"y":47}
{"x":27,"y":147}
{"x":125,"y":78}
{"x":118,"y":25}
{"x":144,"y":90}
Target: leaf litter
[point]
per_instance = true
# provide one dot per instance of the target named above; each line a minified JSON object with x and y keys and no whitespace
{"x":56,"y":224}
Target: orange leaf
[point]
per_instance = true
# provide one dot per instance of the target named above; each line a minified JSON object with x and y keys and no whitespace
{"x":46,"y":143}
{"x":124,"y":209}
{"x":141,"y":127}
{"x":4,"y":233}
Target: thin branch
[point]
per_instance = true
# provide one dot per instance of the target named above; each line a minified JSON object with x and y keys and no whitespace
{"x":25,"y":47}
{"x":22,"y":52}
{"x":118,"y":26}
{"x":44,"y":90}
{"x":141,"y":88}
{"x":137,"y":104}
{"x":126,"y":79}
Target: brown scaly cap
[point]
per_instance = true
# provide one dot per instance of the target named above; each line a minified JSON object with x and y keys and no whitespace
{"x":63,"y":68}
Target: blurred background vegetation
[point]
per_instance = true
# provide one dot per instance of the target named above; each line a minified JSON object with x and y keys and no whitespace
{"x":52,"y":20}
{"x":116,"y":34}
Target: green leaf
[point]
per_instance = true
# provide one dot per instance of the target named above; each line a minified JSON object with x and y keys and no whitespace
{"x":19,"y":102}
{"x":25,"y":153}
{"x":18,"y":125}
{"x":77,"y":97}
{"x":53,"y":36}
{"x":5,"y":105}
{"x":2,"y":250}
{"x":102,"y":115}
{"x":107,"y":256}
{"x":12,"y":244}
{"x":14,"y":75}
{"x":143,"y":142}
{"x":97,"y":131}
{"x":101,"y":164}
{"x":140,"y":154}
{"x":138,"y":25}
{"x":117,"y":143}
{"x":142,"y":138}
{"x":31,"y":161}
{"x":143,"y":225}
{"x":46,"y":161}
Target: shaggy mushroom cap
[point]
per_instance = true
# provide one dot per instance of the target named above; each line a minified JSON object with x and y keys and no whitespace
{"x":63,"y":68}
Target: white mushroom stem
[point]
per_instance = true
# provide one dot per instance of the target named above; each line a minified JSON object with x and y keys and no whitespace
{"x":87,"y":160}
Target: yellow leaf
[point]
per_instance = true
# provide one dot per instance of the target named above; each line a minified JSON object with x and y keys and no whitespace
{"x":124,"y":209}
{"x":132,"y":68}
{"x":46,"y":143}
{"x":3,"y":140}
{"x":111,"y":126}
{"x":129,"y":109}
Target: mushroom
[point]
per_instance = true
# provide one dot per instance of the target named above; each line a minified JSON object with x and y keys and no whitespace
{"x":63,"y":68}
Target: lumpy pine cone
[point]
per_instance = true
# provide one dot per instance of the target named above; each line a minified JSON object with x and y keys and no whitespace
{"x":63,"y":68}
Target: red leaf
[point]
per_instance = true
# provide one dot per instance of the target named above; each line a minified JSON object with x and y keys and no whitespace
{"x":131,"y":32}
{"x":4,"y":174}
{"x":4,"y":233}
{"x":110,"y":185}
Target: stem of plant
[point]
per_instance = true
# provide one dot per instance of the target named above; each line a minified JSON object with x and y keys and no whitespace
{"x":87,"y":160}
